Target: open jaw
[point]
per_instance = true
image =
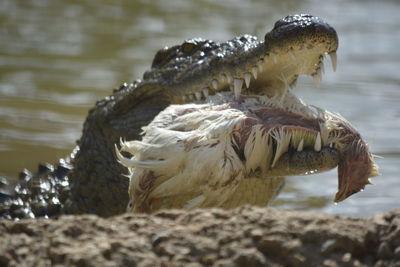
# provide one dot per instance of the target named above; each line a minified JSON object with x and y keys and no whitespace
{"x":246,"y":129}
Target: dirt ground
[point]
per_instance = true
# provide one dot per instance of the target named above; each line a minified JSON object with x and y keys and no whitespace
{"x":246,"y":236}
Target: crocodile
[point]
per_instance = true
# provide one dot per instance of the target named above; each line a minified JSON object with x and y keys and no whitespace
{"x":91,"y":180}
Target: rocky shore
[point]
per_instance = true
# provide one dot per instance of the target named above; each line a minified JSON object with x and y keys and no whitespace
{"x":246,"y":236}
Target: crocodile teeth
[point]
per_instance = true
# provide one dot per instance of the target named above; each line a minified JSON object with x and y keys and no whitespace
{"x":205,"y":92}
{"x":317,"y":78}
{"x":323,"y":129}
{"x":198,"y":95}
{"x":214,"y":84}
{"x":318,"y":143}
{"x":184,"y":98}
{"x":247,"y":77}
{"x":237,"y":87}
{"x":260,"y":65}
{"x":333,"y":57}
{"x":300,"y":146}
{"x":254,"y":70}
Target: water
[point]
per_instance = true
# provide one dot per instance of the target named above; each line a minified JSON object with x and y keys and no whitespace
{"x":58,"y":57}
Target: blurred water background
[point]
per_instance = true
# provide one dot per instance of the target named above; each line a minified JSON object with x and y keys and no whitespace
{"x":58,"y":57}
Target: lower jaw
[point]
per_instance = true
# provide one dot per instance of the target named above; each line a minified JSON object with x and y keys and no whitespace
{"x":305,"y":162}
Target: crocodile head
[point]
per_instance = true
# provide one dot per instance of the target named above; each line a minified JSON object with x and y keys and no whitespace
{"x":198,"y":69}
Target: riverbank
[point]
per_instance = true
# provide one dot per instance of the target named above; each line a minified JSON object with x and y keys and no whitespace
{"x":246,"y":236}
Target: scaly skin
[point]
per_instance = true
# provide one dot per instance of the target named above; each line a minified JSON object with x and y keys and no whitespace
{"x":183,"y":73}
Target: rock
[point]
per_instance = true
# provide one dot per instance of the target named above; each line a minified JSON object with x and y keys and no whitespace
{"x":397,"y":253}
{"x":246,"y":236}
{"x":249,"y":257}
{"x":384,"y":251}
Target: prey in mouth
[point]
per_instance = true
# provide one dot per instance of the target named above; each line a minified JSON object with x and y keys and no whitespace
{"x":237,"y":129}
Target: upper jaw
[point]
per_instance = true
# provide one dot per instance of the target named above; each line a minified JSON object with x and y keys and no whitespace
{"x":296,"y":45}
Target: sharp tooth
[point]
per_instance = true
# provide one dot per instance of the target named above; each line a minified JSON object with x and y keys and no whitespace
{"x":198,"y":95}
{"x":318,"y":143}
{"x":317,"y":78}
{"x":222,"y":77}
{"x":331,"y":145}
{"x":300,"y":146}
{"x":260,"y":65}
{"x":247,"y":77}
{"x":323,"y":129}
{"x":231,"y":88}
{"x":237,"y":87}
{"x":205,"y":91}
{"x":184,"y":98}
{"x":333,"y":57}
{"x":214,"y":84}
{"x":254,"y":70}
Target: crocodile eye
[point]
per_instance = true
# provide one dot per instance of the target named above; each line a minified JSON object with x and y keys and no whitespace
{"x":188,"y":47}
